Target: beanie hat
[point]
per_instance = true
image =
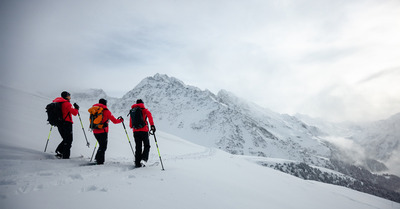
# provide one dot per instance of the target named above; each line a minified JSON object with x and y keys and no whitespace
{"x":103,"y":101}
{"x":139,"y":101}
{"x":65,"y":94}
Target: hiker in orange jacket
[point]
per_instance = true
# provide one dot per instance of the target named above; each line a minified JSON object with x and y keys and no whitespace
{"x":65,"y":128}
{"x":101,"y":134}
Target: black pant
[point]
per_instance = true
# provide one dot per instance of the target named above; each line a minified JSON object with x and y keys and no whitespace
{"x":141,"y":139}
{"x":64,"y":148}
{"x":102,"y":139}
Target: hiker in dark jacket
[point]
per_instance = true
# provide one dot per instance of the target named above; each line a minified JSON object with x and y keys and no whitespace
{"x":141,"y":135}
{"x":65,"y":128}
{"x":101,"y":134}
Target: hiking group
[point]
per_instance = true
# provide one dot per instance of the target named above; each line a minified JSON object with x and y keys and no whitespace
{"x":60,"y":113}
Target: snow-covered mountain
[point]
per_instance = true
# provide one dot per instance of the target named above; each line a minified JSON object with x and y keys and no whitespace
{"x":380,"y":139}
{"x":91,"y":96}
{"x":225,"y":121}
{"x":377,"y":142}
{"x":237,"y":126}
{"x":195,"y":176}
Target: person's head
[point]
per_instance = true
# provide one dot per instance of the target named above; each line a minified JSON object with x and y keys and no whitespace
{"x":66,"y":95}
{"x":103,"y":101}
{"x":139,"y":101}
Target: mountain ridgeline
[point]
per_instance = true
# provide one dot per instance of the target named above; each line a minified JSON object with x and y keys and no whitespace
{"x":240,"y":127}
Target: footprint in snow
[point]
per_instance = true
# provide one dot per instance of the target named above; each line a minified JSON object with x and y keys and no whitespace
{"x":76,"y":177}
{"x":7,"y":182}
{"x":46,"y":174}
{"x":93,"y":188}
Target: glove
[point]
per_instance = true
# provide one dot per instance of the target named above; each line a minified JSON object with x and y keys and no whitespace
{"x":120,"y":118}
{"x":153,"y":128}
{"x":76,"y":106}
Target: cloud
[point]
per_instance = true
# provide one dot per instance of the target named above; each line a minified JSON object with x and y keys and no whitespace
{"x":373,"y":98}
{"x":352,"y":151}
{"x":394,"y":163}
{"x":284,"y":55}
{"x":383,"y":73}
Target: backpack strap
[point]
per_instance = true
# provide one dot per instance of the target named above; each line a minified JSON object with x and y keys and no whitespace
{"x":68,"y":114}
{"x":145,"y":118}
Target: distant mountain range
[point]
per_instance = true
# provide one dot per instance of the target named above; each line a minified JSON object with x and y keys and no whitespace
{"x":375,"y":141}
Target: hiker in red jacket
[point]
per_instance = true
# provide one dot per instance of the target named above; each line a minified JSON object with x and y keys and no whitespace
{"x":141,"y":135}
{"x":101,"y":134}
{"x":65,"y":128}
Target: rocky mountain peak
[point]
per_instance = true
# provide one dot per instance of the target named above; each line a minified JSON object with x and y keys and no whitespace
{"x":90,"y":94}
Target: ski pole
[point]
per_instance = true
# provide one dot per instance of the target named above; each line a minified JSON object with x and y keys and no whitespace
{"x":128,"y":138}
{"x":87,"y":142}
{"x":48,"y":138}
{"x":93,"y":152}
{"x":155,"y":139}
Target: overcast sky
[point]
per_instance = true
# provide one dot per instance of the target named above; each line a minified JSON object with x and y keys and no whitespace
{"x":339,"y":59}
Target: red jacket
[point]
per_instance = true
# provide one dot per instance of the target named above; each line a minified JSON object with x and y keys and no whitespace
{"x":66,"y":109}
{"x":107,"y":115}
{"x":146,"y":114}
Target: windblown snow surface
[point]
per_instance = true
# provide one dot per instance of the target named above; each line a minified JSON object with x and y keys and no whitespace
{"x":194,"y":176}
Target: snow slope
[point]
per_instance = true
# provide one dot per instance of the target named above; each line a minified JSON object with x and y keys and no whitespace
{"x":195,"y":176}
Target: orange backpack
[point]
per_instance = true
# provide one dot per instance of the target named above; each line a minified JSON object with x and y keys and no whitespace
{"x":96,"y":117}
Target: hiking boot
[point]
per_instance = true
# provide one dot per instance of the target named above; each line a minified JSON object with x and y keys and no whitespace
{"x":59,"y":155}
{"x":143,"y":163}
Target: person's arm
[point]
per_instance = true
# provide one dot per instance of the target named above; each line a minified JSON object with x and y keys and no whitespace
{"x":73,"y":111}
{"x":150,"y":117}
{"x":113,"y":119}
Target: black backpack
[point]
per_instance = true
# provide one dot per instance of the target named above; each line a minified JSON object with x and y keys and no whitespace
{"x":137,"y":118}
{"x":54,"y":113}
